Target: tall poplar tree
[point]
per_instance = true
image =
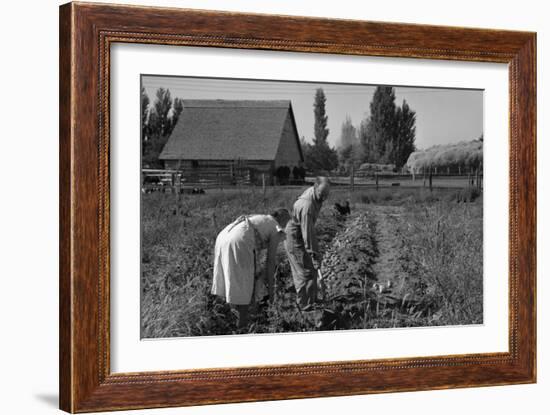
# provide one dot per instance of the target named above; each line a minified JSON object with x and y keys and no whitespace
{"x":319,"y":156}
{"x":321,"y":118}
{"x":382,"y":122}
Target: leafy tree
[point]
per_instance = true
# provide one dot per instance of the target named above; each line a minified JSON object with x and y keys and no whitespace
{"x":321,"y":118}
{"x":348,"y":134}
{"x":350,"y":151}
{"x":177,"y":109}
{"x":365,"y":136}
{"x":319,"y":156}
{"x":389,"y":132}
{"x":162,"y":118}
{"x":405,"y":136}
{"x":382,"y":124}
{"x":144,"y":113}
{"x":159,"y":121}
{"x":307,"y":151}
{"x":151,"y":151}
{"x":146,"y":139}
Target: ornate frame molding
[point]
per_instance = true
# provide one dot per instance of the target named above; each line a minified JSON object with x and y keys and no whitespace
{"x":86,"y":34}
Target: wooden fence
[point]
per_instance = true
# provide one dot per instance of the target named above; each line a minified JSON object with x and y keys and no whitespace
{"x":180,"y":181}
{"x":380,"y":180}
{"x":184,"y":181}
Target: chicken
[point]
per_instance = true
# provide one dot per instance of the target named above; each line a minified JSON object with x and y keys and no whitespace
{"x":343,"y":209}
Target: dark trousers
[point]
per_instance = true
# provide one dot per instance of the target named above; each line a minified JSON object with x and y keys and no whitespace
{"x":304,"y":273}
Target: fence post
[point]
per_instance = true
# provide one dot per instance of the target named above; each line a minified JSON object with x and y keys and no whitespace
{"x":481,"y":179}
{"x":352,"y":178}
{"x":263,"y":184}
{"x":376,"y":178}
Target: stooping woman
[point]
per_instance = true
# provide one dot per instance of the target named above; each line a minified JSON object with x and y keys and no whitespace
{"x":236,"y":274}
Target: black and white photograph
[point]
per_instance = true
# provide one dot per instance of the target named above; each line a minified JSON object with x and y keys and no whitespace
{"x":275,"y":207}
{"x":272,"y":206}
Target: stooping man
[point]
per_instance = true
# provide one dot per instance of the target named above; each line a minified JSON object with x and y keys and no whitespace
{"x":236,"y":274}
{"x":301,"y":242}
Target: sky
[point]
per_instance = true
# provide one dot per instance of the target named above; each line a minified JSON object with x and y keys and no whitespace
{"x":443,"y":115}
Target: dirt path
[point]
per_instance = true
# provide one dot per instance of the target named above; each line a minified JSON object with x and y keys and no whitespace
{"x":387,"y":266}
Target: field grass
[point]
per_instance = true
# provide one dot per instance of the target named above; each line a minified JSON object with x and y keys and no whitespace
{"x":426,"y":245}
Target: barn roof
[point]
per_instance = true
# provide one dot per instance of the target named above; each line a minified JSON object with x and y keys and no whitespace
{"x":228,"y":130}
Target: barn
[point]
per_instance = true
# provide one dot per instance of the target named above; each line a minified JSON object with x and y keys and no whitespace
{"x":233,"y":139}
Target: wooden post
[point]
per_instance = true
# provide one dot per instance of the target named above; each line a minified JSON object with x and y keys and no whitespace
{"x":481,"y":179}
{"x":177,"y":183}
{"x":430,"y":180}
{"x":376,"y":178}
{"x":263,"y":184}
{"x":352,"y":177}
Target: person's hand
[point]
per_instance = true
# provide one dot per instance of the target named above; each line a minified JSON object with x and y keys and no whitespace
{"x":316,"y":261}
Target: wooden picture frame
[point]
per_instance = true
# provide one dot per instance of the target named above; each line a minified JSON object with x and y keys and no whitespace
{"x":86,"y":33}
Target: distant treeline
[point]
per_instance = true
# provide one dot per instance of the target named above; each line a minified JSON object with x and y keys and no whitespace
{"x":385,"y":136}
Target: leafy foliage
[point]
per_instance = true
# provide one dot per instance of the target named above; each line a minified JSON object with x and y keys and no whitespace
{"x":403,"y":144}
{"x":144,"y":113}
{"x":388,"y":134}
{"x":157,"y":123}
{"x":348,"y":134}
{"x":443,"y":243}
{"x":319,"y":156}
{"x":438,"y":246}
{"x":350,"y":152}
{"x":178,"y":108}
{"x":378,"y":134}
{"x":320,"y":127}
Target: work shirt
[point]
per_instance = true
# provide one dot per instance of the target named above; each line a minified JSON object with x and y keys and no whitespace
{"x":302,"y":224}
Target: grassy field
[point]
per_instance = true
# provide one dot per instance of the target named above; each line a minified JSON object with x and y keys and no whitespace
{"x":405,"y":257}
